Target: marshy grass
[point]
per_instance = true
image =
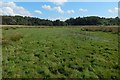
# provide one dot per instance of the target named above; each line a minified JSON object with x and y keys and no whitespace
{"x":60,"y":53}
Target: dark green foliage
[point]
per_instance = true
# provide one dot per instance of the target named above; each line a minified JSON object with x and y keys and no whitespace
{"x":20,"y":20}
{"x":59,"y":23}
{"x":91,"y":20}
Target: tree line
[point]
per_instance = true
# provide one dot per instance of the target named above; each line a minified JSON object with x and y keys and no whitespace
{"x":33,"y":21}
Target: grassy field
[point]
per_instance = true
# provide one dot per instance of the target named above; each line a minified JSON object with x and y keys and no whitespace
{"x":59,"y":53}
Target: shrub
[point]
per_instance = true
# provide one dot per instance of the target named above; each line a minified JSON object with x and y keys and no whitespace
{"x":13,"y":27}
{"x":5,"y":28}
{"x":16,"y":36}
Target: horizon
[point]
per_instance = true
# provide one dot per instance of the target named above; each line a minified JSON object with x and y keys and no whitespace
{"x":56,"y":19}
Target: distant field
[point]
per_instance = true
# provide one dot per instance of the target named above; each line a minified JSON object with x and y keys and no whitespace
{"x":60,"y":52}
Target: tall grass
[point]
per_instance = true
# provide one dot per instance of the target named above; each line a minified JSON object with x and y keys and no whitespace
{"x":104,"y":29}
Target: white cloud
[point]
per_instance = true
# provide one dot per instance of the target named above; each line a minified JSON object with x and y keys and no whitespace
{"x":7,"y":4}
{"x":109,"y":10}
{"x":0,"y":11}
{"x":21,"y":11}
{"x":58,"y":2}
{"x":114,"y":10}
{"x":6,"y":11}
{"x":70,"y":11}
{"x":38,"y":11}
{"x":47,"y":7}
{"x":83,"y":10}
{"x":55,"y":18}
{"x":10,"y":8}
{"x":58,"y":9}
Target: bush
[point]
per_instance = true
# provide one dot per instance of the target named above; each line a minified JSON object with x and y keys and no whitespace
{"x":16,"y":36}
{"x":5,"y":40}
{"x":5,"y":28}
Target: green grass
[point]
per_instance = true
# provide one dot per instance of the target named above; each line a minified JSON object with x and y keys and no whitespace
{"x":59,"y":53}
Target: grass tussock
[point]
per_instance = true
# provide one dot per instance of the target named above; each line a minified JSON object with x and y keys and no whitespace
{"x":13,"y":37}
{"x":16,"y":36}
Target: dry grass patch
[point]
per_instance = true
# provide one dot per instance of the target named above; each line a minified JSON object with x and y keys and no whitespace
{"x":13,"y":37}
{"x":104,"y":29}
